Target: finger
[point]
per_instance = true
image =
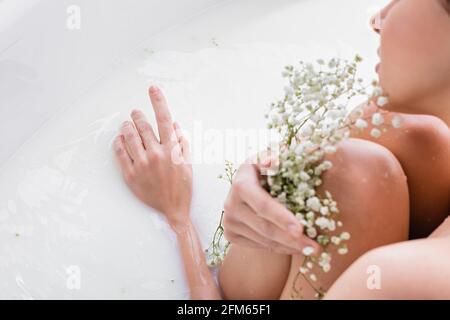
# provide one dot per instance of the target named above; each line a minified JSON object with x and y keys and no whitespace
{"x":244,"y":231}
{"x":270,"y":234}
{"x":183,"y":142}
{"x":133,"y":141}
{"x":244,"y":242}
{"x":125,"y":162}
{"x":250,"y":191}
{"x":162,"y":114}
{"x":144,"y":129}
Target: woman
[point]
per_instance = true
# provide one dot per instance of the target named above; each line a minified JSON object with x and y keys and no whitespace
{"x":389,"y":190}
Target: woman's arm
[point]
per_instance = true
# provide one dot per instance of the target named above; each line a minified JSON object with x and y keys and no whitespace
{"x":201,"y":282}
{"x":159,"y":173}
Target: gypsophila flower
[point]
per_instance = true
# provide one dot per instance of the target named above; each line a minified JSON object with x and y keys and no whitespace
{"x":345,"y":236}
{"x":377,"y":119}
{"x":311,"y":232}
{"x":307,"y":251}
{"x":361,"y":124}
{"x":382,"y":101}
{"x":376,"y":133}
{"x":336,"y":240}
{"x":313,"y":203}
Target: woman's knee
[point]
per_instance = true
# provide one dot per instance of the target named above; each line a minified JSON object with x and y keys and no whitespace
{"x":370,"y":188}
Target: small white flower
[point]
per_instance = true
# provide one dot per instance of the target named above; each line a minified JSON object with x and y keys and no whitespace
{"x":285,"y":73}
{"x":334,"y":114}
{"x":327,"y":165}
{"x":396,"y":122}
{"x":313,"y":277}
{"x":302,"y":187}
{"x":322,"y":222}
{"x":377,"y":119}
{"x":303,"y":270}
{"x":325,"y":257}
{"x":276,"y":118}
{"x":313,"y":203}
{"x":306,"y":131}
{"x":310,"y":215}
{"x":361,"y":124}
{"x":330,"y":149}
{"x":307,"y":251}
{"x":377,"y":91}
{"x":334,"y":209}
{"x":304,"y":176}
{"x":315,"y":117}
{"x":309,"y":265}
{"x":289,"y":91}
{"x":335,"y":240}
{"x":311,"y":232}
{"x":345,"y":236}
{"x":343,"y":250}
{"x":326,"y":267}
{"x":382,"y":101}
{"x":324,"y":211}
{"x":299,"y":149}
{"x":376,"y":133}
{"x":331,"y":225}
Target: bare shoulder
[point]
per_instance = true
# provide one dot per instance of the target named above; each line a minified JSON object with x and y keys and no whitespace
{"x":427,"y":131}
{"x":424,"y":132}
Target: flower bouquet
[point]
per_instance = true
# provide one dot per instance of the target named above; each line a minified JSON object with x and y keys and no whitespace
{"x":311,"y":119}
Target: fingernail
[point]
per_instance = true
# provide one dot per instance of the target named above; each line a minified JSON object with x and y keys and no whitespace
{"x":294,"y":229}
{"x":266,"y":163}
{"x":153,"y":89}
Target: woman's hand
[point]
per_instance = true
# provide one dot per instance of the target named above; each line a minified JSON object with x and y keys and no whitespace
{"x":158,"y":172}
{"x":254,"y":219}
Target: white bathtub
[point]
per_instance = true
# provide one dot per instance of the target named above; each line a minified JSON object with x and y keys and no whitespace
{"x":69,"y":228}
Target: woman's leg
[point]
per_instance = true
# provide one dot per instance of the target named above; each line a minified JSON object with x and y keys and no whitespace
{"x":417,"y":269}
